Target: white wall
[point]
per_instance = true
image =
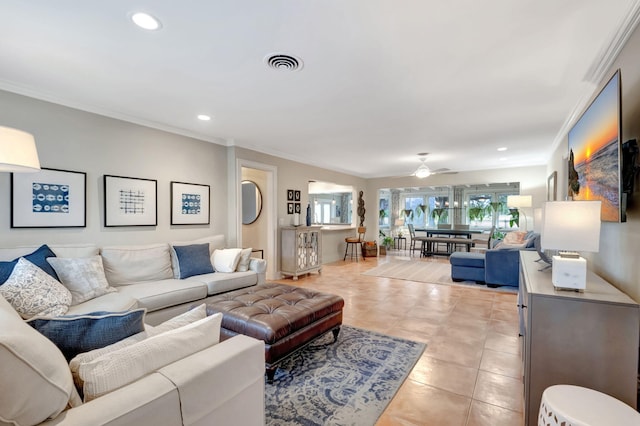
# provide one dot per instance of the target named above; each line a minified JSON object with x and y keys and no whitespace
{"x":69,"y":139}
{"x":294,"y":175}
{"x":619,"y":242}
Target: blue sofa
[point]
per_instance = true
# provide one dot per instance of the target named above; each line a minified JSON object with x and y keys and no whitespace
{"x":496,"y":267}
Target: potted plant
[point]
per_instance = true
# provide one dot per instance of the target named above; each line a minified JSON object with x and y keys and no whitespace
{"x":439,"y":214}
{"x":386,"y":242}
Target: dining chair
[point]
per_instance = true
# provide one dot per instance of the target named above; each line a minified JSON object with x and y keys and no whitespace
{"x":412,"y":243}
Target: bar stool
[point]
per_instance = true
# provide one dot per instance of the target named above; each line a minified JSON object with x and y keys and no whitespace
{"x":578,"y":406}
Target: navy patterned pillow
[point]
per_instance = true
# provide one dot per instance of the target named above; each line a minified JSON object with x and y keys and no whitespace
{"x":74,"y":334}
{"x":193,"y":260}
{"x":38,"y":258}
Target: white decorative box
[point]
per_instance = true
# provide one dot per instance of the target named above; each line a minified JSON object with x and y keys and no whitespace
{"x":569,"y":273}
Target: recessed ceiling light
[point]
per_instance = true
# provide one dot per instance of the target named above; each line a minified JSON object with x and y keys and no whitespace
{"x":504,"y":148}
{"x":204,"y":117}
{"x":146,"y":21}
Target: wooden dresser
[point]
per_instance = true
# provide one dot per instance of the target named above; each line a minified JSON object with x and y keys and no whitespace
{"x":587,"y":339}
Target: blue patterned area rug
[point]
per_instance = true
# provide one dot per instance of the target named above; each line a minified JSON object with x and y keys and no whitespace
{"x":349,"y":382}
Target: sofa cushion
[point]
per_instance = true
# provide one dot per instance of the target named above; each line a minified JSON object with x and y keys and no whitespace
{"x":243,"y":262}
{"x":123,"y":366}
{"x":473,"y":260}
{"x":193,"y":260}
{"x":223,"y":281}
{"x":111,"y":302}
{"x":37,"y":257}
{"x":60,"y":250}
{"x":226,"y":260}
{"x":83,"y":277}
{"x":157,"y":295}
{"x":74,"y":334}
{"x":124,"y":265}
{"x":35,"y":379}
{"x":31,"y":291}
{"x":188,"y":317}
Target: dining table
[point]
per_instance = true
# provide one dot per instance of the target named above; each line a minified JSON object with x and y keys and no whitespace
{"x":431,"y":239}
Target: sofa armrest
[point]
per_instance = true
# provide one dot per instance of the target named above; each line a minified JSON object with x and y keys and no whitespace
{"x":259,"y":266}
{"x":151,"y":400}
{"x":502,"y":267}
{"x":223,"y":384}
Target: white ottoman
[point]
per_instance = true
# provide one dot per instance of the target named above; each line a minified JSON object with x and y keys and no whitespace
{"x":569,"y":405}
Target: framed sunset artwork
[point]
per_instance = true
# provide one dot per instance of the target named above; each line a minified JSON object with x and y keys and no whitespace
{"x":594,"y":152}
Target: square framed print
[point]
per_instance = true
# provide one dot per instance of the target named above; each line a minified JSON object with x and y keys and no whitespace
{"x":290,"y":194}
{"x":289,"y":208}
{"x":296,"y":195}
{"x":190,"y":203}
{"x":130,"y":201}
{"x":297,"y":208}
{"x":50,"y":198}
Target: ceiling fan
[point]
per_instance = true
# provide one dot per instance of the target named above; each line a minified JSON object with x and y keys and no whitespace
{"x":424,"y":171}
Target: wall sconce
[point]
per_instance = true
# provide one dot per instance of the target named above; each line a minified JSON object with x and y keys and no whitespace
{"x":18,"y":152}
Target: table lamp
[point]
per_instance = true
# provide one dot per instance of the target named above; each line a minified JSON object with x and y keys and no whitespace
{"x":18,"y":152}
{"x":519,"y":202}
{"x":570,"y":227}
{"x":399,"y":223}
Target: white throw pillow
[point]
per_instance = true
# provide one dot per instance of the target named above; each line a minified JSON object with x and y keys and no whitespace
{"x":226,"y":260}
{"x":31,"y":292}
{"x":119,"y":368}
{"x":245,"y":258}
{"x":84,"y":277}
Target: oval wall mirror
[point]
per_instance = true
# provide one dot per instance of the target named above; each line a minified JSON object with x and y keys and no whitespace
{"x":251,"y":202}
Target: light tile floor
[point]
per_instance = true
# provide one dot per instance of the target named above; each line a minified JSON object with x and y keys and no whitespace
{"x":471,"y":372}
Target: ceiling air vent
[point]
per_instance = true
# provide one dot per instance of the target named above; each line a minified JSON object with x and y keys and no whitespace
{"x":282,"y":62}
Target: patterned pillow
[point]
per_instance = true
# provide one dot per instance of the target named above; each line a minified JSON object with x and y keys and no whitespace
{"x":193,"y":260}
{"x":119,"y":368}
{"x":245,"y":258}
{"x":84,"y":277}
{"x":74,"y":334}
{"x":226,"y":260}
{"x":31,"y":291}
{"x":38,"y":258}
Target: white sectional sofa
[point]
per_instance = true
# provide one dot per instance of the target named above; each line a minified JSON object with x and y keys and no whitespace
{"x":145,"y":276}
{"x":219,"y":384}
{"x":222,"y":384}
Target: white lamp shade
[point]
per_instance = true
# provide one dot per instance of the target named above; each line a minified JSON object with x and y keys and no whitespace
{"x":17,"y":151}
{"x":519,"y":201}
{"x":571,"y":226}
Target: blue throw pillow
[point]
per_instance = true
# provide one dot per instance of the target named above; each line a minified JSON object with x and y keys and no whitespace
{"x":193,"y":260}
{"x":74,"y":334}
{"x":38,"y":258}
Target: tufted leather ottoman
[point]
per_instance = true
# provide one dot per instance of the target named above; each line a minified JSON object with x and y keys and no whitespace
{"x":285,"y":317}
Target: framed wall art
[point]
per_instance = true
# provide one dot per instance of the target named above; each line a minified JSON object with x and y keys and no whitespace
{"x":290,"y":194}
{"x":50,"y":198}
{"x":552,"y":187}
{"x":130,"y":201}
{"x":189,"y":203}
